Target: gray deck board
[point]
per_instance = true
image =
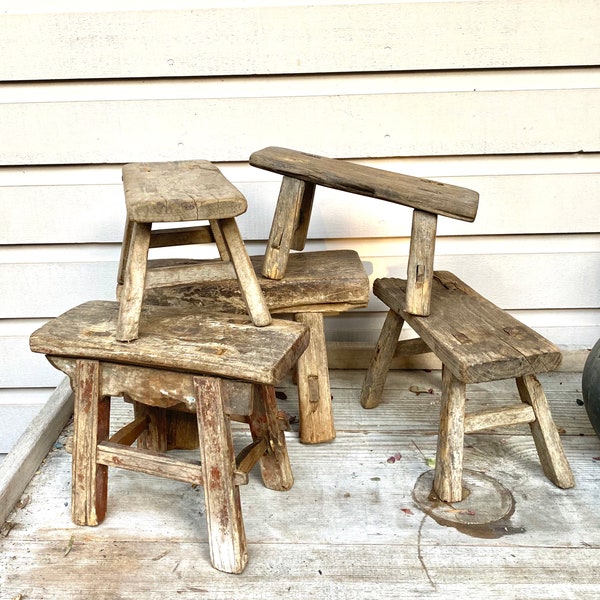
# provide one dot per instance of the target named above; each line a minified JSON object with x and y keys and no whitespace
{"x":349,"y":528}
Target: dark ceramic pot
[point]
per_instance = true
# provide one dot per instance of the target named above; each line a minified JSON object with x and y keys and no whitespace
{"x":590,"y":387}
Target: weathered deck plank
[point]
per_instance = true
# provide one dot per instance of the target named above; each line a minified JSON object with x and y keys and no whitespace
{"x":349,"y":528}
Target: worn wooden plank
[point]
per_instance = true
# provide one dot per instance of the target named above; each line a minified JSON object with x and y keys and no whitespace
{"x":241,"y":351}
{"x":358,"y":36}
{"x":416,"y":124}
{"x":20,"y":464}
{"x":475,"y":339}
{"x":327,"y":281}
{"x":416,"y":193}
{"x":154,"y":541}
{"x":174,"y":191}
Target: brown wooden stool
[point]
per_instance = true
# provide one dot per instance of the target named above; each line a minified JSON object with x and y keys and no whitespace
{"x":181,"y":191}
{"x":220,"y":367}
{"x":476,"y":342}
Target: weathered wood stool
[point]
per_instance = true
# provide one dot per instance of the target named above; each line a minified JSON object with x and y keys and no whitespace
{"x":307,"y":285}
{"x":475,"y":340}
{"x":181,"y":191}
{"x":221,"y":367}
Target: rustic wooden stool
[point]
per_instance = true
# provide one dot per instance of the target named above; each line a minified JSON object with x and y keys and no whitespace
{"x":307,"y":285}
{"x":193,"y":190}
{"x":475,"y":340}
{"x":220,"y":367}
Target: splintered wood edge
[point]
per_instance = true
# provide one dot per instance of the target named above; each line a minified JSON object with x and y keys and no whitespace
{"x":23,"y":460}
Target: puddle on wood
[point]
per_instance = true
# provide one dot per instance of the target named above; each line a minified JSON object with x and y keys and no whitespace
{"x":484,"y":512}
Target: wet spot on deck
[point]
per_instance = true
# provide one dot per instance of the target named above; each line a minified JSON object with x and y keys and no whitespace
{"x":484,"y":512}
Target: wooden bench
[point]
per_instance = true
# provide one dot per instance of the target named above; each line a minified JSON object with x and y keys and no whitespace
{"x":181,"y":191}
{"x":218,"y":367}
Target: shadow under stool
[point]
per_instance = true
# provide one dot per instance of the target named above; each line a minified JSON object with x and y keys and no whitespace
{"x":217,"y":367}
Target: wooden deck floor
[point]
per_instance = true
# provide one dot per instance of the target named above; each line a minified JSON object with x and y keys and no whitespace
{"x":349,"y":528}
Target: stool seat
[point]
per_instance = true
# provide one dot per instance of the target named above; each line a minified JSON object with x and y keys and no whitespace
{"x":187,"y":190}
{"x":307,"y":286}
{"x":218,"y":366}
{"x":474,"y":338}
{"x":180,"y":191}
{"x":224,"y":345}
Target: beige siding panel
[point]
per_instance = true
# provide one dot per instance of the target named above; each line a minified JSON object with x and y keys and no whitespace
{"x":561,"y":203}
{"x":567,"y":328}
{"x":23,"y":368}
{"x":514,"y":281}
{"x":229,"y":129}
{"x":300,"y":39}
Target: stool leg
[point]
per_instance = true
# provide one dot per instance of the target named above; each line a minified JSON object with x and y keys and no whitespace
{"x":374,"y":382}
{"x":89,"y":487}
{"x":275,"y":464}
{"x":155,"y":435}
{"x":227,"y":538}
{"x":447,"y":482}
{"x":125,"y":247}
{"x":314,"y":391}
{"x":134,"y":280}
{"x":251,"y":290}
{"x":545,"y":435}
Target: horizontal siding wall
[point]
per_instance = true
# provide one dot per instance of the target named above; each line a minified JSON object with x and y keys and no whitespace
{"x":498,"y":96}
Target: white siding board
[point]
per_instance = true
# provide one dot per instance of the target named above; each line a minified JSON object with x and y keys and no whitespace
{"x":560,"y":203}
{"x":569,"y":329}
{"x":514,"y":281}
{"x":21,"y":368}
{"x":230,"y":129}
{"x":292,"y":39}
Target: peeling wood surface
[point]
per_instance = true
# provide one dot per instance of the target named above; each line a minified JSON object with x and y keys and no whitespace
{"x":349,"y":527}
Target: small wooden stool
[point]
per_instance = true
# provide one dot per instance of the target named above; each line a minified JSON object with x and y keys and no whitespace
{"x":220,"y":367}
{"x":476,"y":342}
{"x":316,"y":284}
{"x":193,"y":190}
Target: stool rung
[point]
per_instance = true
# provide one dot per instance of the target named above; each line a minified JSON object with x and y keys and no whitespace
{"x":495,"y":417}
{"x":188,"y":274}
{"x":155,"y":463}
{"x":182,"y":236}
{"x":250,"y":455}
{"x":131,"y":432}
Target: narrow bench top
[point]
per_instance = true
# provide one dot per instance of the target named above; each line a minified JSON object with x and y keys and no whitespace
{"x":474,"y":338}
{"x":421,"y":194}
{"x":308,"y":286}
{"x":212,"y":344}
{"x":189,"y":190}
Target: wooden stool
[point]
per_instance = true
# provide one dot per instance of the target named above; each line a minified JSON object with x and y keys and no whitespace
{"x":193,"y":190}
{"x":476,"y":342}
{"x":219,"y":367}
{"x":316,"y":284}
